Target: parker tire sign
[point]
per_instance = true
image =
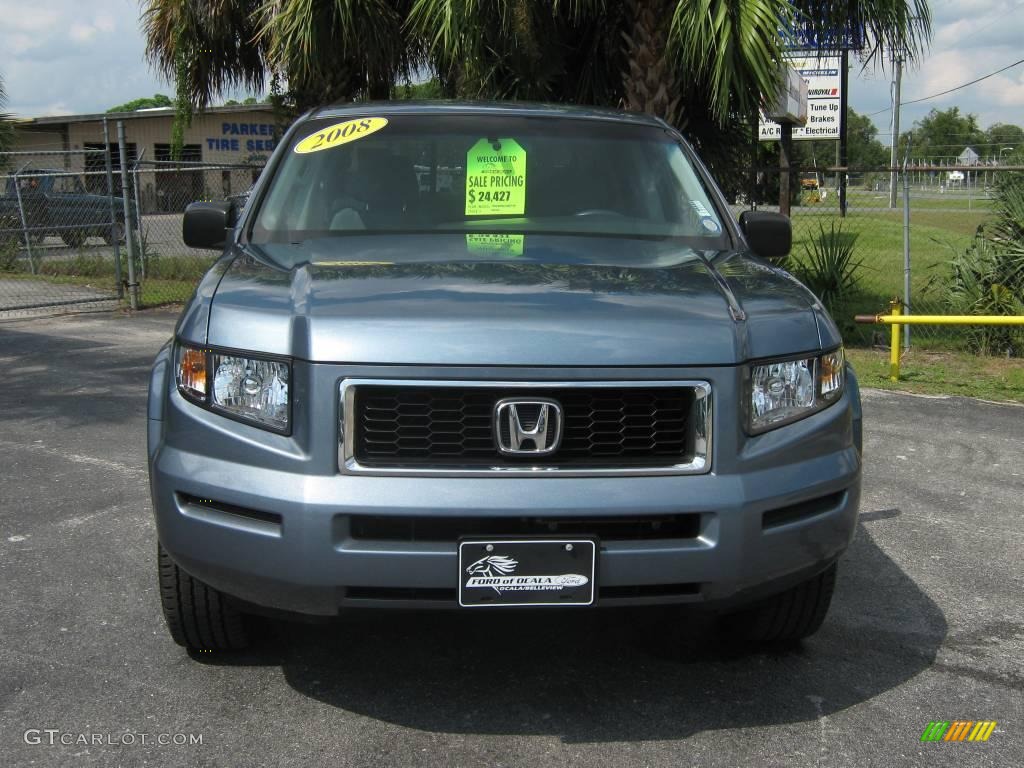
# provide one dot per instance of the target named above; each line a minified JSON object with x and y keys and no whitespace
{"x":823,"y":75}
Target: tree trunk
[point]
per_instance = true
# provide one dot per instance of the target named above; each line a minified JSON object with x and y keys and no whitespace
{"x":649,"y":82}
{"x":379,"y":91}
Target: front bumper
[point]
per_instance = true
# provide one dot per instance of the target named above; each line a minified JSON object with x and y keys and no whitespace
{"x":266,"y":518}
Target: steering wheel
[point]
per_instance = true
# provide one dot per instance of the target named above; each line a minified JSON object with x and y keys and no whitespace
{"x":598,"y":212}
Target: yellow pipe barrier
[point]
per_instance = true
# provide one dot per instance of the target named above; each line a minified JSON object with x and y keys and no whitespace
{"x":942,"y":319}
{"x":896,"y":318}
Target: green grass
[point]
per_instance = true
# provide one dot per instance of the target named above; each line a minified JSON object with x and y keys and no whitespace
{"x":155,"y":292}
{"x":168,"y":280}
{"x":943,"y":373}
{"x":862,"y":200}
{"x":959,"y":203}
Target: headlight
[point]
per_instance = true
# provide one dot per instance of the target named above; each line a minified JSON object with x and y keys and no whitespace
{"x":251,"y":389}
{"x":781,"y":392}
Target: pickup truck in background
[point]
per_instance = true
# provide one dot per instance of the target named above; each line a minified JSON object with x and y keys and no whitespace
{"x":57,"y":203}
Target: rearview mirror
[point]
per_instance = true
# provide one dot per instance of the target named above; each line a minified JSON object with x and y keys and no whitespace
{"x":769,"y":235}
{"x":206,"y":224}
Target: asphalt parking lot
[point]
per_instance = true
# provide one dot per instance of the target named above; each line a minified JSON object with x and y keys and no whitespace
{"x":927,"y":622}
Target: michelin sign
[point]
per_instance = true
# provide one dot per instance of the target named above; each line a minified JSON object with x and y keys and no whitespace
{"x":824,"y":98}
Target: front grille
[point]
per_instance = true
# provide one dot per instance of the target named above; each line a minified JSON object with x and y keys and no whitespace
{"x":450,"y":529}
{"x":453,"y":426}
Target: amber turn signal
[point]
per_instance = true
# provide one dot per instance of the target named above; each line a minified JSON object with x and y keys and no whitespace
{"x":191,"y":372}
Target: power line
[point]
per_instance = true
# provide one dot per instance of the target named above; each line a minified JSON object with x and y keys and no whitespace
{"x":962,"y":144}
{"x":957,"y":88}
{"x":986,"y":77}
{"x":954,"y":135}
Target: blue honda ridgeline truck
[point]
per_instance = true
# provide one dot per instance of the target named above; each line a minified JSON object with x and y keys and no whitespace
{"x":480,"y":356}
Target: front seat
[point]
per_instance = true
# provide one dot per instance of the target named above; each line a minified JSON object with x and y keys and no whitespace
{"x":379,"y":193}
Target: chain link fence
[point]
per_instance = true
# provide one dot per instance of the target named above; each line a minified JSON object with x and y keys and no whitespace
{"x":923,"y":231}
{"x":165,"y":269}
{"x":77,"y":232}
{"x":61,"y":227}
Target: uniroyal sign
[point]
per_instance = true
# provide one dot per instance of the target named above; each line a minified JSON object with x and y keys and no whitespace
{"x":823,"y":76}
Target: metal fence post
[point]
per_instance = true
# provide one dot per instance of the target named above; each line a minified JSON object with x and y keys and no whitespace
{"x":138,"y":212}
{"x":906,"y":253}
{"x":844,"y":158}
{"x":113,"y":216}
{"x":24,"y":220}
{"x":129,"y":224}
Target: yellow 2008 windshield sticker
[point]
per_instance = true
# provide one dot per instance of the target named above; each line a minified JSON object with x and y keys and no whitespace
{"x":340,"y":133}
{"x":496,"y":178}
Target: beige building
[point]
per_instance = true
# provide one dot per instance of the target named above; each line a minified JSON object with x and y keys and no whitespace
{"x":221,"y":137}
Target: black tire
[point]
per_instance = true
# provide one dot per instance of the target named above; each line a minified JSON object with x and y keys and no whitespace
{"x":73,"y":238}
{"x":787,"y":617}
{"x":198,"y":616}
{"x":120,"y":234}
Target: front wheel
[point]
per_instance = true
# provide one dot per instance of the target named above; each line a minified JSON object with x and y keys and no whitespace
{"x":198,"y":616}
{"x":787,"y":617}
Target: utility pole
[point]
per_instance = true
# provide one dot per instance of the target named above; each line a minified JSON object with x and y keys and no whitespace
{"x":894,"y":156}
{"x":844,"y":108}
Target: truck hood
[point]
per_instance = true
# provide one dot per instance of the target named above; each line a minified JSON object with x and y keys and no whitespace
{"x":529,"y":301}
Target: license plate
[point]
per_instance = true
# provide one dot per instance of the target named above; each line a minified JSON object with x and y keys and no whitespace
{"x":526,"y":572}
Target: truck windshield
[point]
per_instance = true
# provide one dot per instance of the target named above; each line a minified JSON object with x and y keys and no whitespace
{"x":426,"y":173}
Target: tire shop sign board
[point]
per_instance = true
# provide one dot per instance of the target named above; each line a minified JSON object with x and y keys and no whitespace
{"x":824,"y":98}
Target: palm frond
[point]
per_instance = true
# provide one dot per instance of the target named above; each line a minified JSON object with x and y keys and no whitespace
{"x":6,"y":129}
{"x":350,"y":48}
{"x":731,"y":48}
{"x":829,"y":267}
{"x":206,"y":48}
{"x":888,"y":26}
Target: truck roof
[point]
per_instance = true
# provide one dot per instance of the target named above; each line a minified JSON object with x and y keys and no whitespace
{"x":516,"y":108}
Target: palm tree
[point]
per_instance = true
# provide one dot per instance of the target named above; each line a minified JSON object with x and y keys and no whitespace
{"x":702,"y":65}
{"x":324,"y":51}
{"x":682,"y":60}
{"x":6,"y":128}
{"x":206,"y":48}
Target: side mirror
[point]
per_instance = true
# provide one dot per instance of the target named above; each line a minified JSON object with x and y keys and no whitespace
{"x":770,"y":235}
{"x":206,"y":224}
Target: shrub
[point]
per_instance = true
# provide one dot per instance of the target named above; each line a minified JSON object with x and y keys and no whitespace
{"x":8,"y":255}
{"x":988,"y":278}
{"x":828,"y":267}
{"x":9,"y":243}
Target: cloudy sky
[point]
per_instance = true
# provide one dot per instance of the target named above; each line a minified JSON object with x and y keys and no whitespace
{"x":83,"y":56}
